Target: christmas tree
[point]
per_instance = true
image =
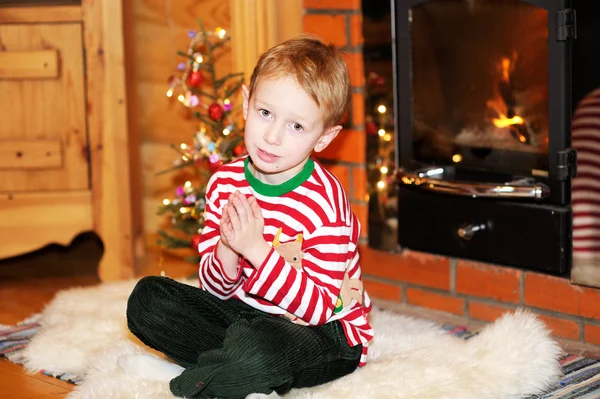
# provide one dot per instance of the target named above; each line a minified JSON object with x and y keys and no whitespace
{"x":218,"y":138}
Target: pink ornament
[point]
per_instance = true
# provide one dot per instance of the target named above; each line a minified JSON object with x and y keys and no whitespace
{"x":180,"y":191}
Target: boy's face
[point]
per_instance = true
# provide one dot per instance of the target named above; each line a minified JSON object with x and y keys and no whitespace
{"x":283,"y":126}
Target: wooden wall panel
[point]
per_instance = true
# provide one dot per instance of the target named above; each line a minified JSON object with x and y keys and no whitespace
{"x":160,"y":29}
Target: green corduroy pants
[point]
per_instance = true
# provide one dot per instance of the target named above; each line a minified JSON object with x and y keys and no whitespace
{"x":229,"y":349}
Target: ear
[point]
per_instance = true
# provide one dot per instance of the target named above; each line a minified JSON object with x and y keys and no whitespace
{"x":327,"y":138}
{"x":246,"y":95}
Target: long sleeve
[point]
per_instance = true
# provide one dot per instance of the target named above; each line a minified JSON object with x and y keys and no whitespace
{"x":310,"y":293}
{"x":211,"y":273}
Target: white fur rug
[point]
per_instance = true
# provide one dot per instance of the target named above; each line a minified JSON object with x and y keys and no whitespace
{"x":84,"y":332}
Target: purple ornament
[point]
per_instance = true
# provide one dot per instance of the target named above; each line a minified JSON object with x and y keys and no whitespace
{"x":214,"y":158}
{"x":194,"y":101}
{"x":228,"y":106}
{"x":180,"y":191}
{"x":190,"y":199}
{"x":181,"y":66}
{"x":191,"y":34}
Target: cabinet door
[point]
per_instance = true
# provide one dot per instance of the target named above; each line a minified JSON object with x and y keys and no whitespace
{"x":43,"y":136}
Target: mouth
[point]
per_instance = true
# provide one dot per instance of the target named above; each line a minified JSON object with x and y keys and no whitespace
{"x":266,"y":156}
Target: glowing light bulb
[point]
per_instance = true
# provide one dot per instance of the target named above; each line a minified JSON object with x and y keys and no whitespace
{"x":226,"y":132}
{"x":456,"y":158}
{"x":387,"y":137}
{"x":381,"y":132}
{"x":381,"y":109}
{"x":221,"y":33}
{"x":183,"y":146}
{"x":170,"y":92}
{"x":181,"y":97}
{"x":166,"y":201}
{"x":199,"y":58}
{"x":187,"y":184}
{"x":384,"y":169}
{"x":381,"y":184}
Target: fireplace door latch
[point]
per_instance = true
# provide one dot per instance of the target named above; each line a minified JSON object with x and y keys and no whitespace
{"x":566,"y":25}
{"x":567,"y":164}
{"x":432,"y":179}
{"x":467,"y":232}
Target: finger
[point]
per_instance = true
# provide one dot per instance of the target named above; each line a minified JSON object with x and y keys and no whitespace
{"x":256,"y":211}
{"x":246,"y":204}
{"x":234,"y":218}
{"x":243,"y":214}
{"x":225,"y":213}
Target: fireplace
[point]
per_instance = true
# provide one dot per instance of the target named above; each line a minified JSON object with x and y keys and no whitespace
{"x":484,"y":102}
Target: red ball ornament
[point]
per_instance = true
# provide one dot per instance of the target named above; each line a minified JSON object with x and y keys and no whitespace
{"x":213,"y":166}
{"x":371,"y":128}
{"x":195,"y":78}
{"x":215,"y":112}
{"x":195,"y":241}
{"x":238,"y":149}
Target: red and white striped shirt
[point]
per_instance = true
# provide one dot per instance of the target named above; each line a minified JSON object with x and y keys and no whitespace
{"x":313,"y":232}
{"x":586,"y":186}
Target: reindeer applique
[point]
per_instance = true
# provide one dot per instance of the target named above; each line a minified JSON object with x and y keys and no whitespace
{"x":292,"y":253}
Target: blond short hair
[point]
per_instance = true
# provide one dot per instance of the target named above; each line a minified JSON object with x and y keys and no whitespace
{"x":318,"y":68}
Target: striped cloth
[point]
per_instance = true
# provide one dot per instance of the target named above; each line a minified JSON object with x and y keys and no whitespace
{"x":581,"y":378}
{"x":586,"y":186}
{"x":13,"y":339}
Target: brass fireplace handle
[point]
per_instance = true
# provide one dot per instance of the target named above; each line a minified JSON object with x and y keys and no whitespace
{"x":430,"y":179}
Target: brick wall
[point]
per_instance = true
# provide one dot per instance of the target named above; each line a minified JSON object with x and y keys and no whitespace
{"x":340,"y":22}
{"x":475,"y":290}
{"x":482,"y":291}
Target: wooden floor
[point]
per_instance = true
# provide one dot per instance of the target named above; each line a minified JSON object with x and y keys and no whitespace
{"x":27,"y":283}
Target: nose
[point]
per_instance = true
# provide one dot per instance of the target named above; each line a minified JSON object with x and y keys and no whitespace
{"x":273,"y":136}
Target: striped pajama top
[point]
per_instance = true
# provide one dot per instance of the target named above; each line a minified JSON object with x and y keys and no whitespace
{"x":586,"y":186}
{"x":312,"y":274}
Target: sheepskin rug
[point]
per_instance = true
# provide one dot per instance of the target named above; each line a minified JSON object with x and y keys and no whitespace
{"x":84,"y":332}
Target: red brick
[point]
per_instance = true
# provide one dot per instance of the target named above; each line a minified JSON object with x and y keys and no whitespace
{"x":591,"y":334}
{"x":489,"y":281}
{"x":348,"y":146}
{"x":359,"y":184}
{"x":333,"y":4}
{"x":362,"y":213}
{"x":436,"y":301}
{"x":342,"y":173}
{"x":486,"y":312}
{"x":561,"y":328}
{"x":356,"y":30}
{"x":409,"y":266}
{"x":355,"y":63}
{"x":589,"y":303}
{"x":358,"y":109}
{"x":553,"y":293}
{"x":377,"y":289}
{"x":330,"y":28}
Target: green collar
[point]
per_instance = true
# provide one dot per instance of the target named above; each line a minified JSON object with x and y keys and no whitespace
{"x":276,"y":190}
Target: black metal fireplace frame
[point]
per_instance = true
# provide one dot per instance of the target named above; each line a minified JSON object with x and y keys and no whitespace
{"x":533,"y":234}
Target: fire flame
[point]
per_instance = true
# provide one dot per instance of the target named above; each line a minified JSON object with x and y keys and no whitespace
{"x":503,"y":121}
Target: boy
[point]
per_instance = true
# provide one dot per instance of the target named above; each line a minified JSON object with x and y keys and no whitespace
{"x":280,"y":303}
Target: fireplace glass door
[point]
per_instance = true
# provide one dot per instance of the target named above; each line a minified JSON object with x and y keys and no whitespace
{"x":480,"y":85}
{"x":483,"y":91}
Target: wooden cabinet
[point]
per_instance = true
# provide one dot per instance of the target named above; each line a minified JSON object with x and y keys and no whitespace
{"x":65,"y":164}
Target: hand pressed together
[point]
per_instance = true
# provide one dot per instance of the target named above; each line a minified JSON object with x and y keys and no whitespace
{"x":242,"y":223}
